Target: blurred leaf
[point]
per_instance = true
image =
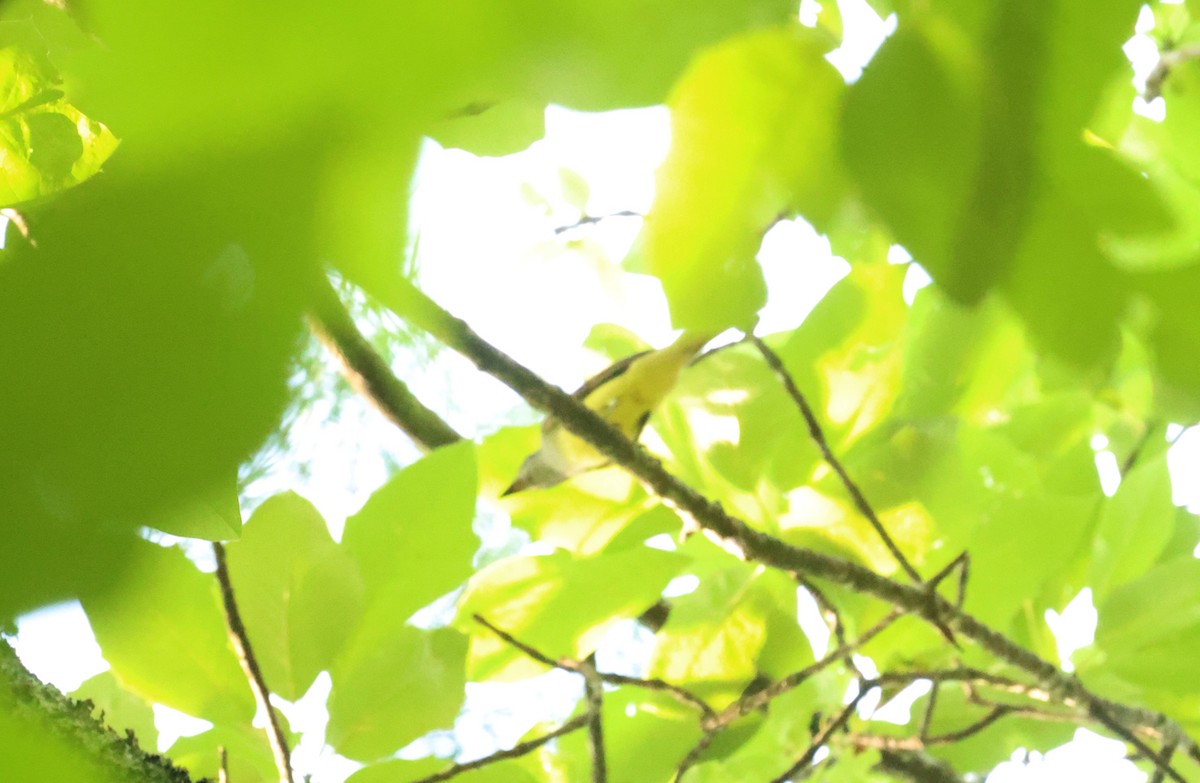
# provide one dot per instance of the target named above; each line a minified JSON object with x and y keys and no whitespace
{"x":403,"y":771}
{"x":46,"y":143}
{"x":213,"y":515}
{"x":412,"y":540}
{"x":983,"y":750}
{"x":713,"y":638}
{"x":163,"y":632}
{"x":782,"y":736}
{"x":167,"y":310}
{"x":1146,"y":625}
{"x":752,"y":138}
{"x":981,"y":171}
{"x":249,"y":756}
{"x":1135,"y":525}
{"x":960,"y":360}
{"x":573,"y":518}
{"x":299,"y":594}
{"x":646,"y":735}
{"x":559,"y":604}
{"x":500,"y":128}
{"x":575,"y":189}
{"x":392,"y":684}
{"x":1017,"y":547}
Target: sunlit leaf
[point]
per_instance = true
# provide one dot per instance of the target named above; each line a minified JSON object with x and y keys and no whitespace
{"x":298,"y":593}
{"x":412,"y":540}
{"x":163,"y":632}
{"x":213,"y":515}
{"x":1134,"y":526}
{"x":752,"y":138}
{"x":559,"y":604}
{"x":394,"y":683}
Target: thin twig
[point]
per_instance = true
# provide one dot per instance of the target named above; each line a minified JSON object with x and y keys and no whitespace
{"x":520,"y":749}
{"x":245,"y":655}
{"x":681,"y":695}
{"x":963,"y":564}
{"x":593,"y":691}
{"x":1166,"y":62}
{"x":588,"y":220}
{"x":1138,"y":447}
{"x":824,"y":734}
{"x":930,"y":706}
{"x":818,"y":437}
{"x":532,"y":652}
{"x":917,"y":767}
{"x":713,"y":725}
{"x":1167,"y":752}
{"x":370,"y":375}
{"x":692,"y":756}
{"x":1100,"y":713}
{"x":749,"y":704}
{"x":829,"y":613}
{"x":950,"y":737}
{"x":222,"y":765}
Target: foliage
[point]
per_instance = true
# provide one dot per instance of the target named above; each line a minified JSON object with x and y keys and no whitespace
{"x":151,"y":318}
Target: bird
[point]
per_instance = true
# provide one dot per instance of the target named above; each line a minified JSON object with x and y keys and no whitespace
{"x":625,"y":394}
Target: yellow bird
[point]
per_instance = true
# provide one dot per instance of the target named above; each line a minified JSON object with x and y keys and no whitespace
{"x":625,"y":394}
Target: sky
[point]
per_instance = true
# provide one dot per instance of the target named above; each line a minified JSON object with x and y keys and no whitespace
{"x":493,"y":221}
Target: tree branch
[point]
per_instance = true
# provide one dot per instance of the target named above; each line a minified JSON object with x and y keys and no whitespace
{"x":917,"y":767}
{"x":370,"y":375}
{"x":818,"y":437}
{"x":593,"y":690}
{"x":824,"y":734}
{"x":681,"y":695}
{"x":742,"y":540}
{"x":1162,"y":69}
{"x":245,"y":654}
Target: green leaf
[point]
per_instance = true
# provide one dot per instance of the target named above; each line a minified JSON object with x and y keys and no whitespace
{"x":916,"y":169}
{"x":575,"y":517}
{"x":559,"y":604}
{"x":412,"y":540}
{"x":780,"y":738}
{"x":981,"y":171}
{"x":122,"y":710}
{"x":500,"y":128}
{"x":1158,"y":611}
{"x":1174,"y":337}
{"x":299,"y":594}
{"x":249,"y":755}
{"x":1135,"y":526}
{"x":213,"y":515}
{"x":752,"y":137}
{"x":984,"y":749}
{"x":1019,"y":545}
{"x":960,"y":360}
{"x":646,"y":735}
{"x":575,"y":189}
{"x":713,"y":638}
{"x":46,"y":143}
{"x":392,"y":684}
{"x":163,"y":632}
